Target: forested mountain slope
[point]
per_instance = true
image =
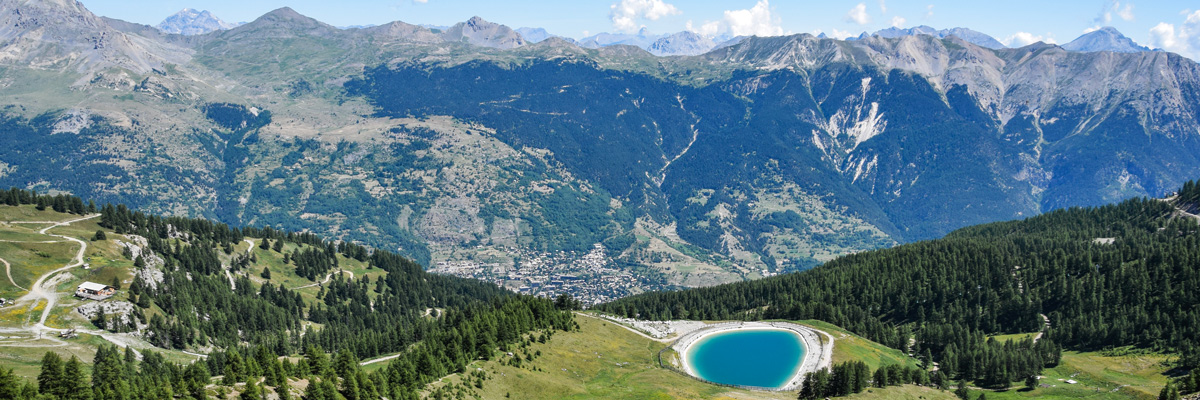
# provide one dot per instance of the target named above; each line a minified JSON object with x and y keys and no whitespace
{"x":769,"y":155}
{"x":1089,"y":278}
{"x":247,"y":299}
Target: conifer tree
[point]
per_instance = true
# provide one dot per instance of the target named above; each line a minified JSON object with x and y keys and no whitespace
{"x":50,"y":379}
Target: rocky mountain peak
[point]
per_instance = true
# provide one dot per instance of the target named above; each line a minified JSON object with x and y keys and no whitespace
{"x":479,"y":32}
{"x":1105,"y":39}
{"x":684,"y":43}
{"x":192,"y":22}
{"x":972,"y":36}
{"x":52,"y":33}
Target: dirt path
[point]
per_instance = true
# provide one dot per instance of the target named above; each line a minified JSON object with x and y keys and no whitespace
{"x":232,"y":284}
{"x":1171,"y":200}
{"x":47,"y":292}
{"x":380,"y":359}
{"x":1045,"y":326}
{"x":327,"y":279}
{"x":43,"y":288}
{"x":8,"y":271}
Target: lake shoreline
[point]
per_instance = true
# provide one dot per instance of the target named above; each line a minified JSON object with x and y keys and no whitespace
{"x":818,"y":347}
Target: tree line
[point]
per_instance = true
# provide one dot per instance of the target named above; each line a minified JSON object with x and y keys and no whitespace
{"x":1089,"y":278}
{"x":253,"y":325}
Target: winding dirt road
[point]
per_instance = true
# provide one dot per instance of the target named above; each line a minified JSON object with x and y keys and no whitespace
{"x":8,"y":271}
{"x":327,"y":279}
{"x":43,"y":288}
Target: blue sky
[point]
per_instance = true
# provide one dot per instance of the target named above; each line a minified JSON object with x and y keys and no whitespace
{"x":1173,"y":25}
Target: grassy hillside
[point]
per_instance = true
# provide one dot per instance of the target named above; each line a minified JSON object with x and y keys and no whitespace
{"x":607,"y":360}
{"x":322,"y":306}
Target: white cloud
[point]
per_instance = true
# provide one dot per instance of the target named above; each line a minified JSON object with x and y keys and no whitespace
{"x":1163,"y":37}
{"x":883,"y":6}
{"x":1126,"y":13}
{"x":841,"y":35}
{"x":1114,"y":7}
{"x":1183,"y":39}
{"x":420,"y":1}
{"x":625,"y":15}
{"x":858,"y":14}
{"x":759,"y":20}
{"x":1022,"y":39}
{"x":710,"y":28}
{"x":898,"y":21}
{"x":929,"y":11}
{"x":1091,"y":29}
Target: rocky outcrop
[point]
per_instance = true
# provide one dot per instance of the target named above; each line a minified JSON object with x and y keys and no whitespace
{"x":478,"y":32}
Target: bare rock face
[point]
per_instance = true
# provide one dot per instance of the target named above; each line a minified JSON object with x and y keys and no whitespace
{"x":477,"y":31}
{"x":1105,"y":39}
{"x":977,"y":38}
{"x":401,"y":31}
{"x":681,"y":44}
{"x":62,"y":34}
{"x":193,"y":22}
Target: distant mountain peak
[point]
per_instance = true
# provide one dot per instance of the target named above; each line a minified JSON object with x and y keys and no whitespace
{"x":64,"y":32}
{"x":480,"y":32}
{"x":684,"y":43}
{"x":283,"y":13}
{"x":189,"y":21}
{"x":1105,"y":39}
{"x":287,"y":19}
{"x":971,"y":36}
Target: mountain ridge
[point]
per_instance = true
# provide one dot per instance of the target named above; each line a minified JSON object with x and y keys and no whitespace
{"x":766,"y":155}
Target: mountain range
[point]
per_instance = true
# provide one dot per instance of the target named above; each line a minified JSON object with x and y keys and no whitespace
{"x":471,"y":146}
{"x":685,"y":43}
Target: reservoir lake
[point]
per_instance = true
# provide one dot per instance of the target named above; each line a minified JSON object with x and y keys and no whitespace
{"x":765,"y":358}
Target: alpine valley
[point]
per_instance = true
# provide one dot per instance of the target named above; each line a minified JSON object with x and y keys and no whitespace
{"x":479,"y":153}
{"x":286,"y":209}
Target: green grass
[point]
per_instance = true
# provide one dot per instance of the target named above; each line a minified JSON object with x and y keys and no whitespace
{"x":1012,"y":337}
{"x":603,"y":360}
{"x":904,"y":392}
{"x":285,"y":274}
{"x":31,"y":213}
{"x":1099,"y":376}
{"x":26,"y":361}
{"x":850,"y":347}
{"x":31,"y":260}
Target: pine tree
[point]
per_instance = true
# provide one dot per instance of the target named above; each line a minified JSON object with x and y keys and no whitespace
{"x":1031,"y":382}
{"x":75,"y":381}
{"x":251,"y":392}
{"x":10,"y":385}
{"x":50,"y":380}
{"x":100,"y":235}
{"x":963,"y":392}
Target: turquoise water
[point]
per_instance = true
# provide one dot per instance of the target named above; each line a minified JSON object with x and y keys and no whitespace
{"x":763,"y":358}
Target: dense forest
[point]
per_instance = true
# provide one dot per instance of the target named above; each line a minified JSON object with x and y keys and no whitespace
{"x":1092,"y":278}
{"x":251,"y":326}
